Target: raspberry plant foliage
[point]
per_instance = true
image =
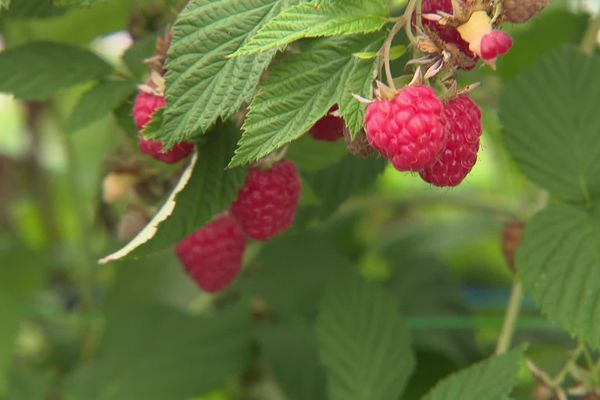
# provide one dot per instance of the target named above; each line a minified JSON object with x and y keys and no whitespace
{"x":241,"y":85}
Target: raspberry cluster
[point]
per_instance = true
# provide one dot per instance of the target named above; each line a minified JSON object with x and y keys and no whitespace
{"x":416,"y":132}
{"x":265,"y":207}
{"x":144,"y":106}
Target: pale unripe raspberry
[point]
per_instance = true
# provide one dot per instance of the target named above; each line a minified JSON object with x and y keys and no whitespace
{"x":266,"y":205}
{"x":154,"y":149}
{"x":408,"y":130}
{"x":521,"y":11}
{"x":329,"y":128}
{"x":495,"y":44}
{"x":212,"y":256}
{"x":116,"y":185}
{"x":463,"y":127}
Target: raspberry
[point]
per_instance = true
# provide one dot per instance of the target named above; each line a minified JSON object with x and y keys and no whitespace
{"x":520,"y":11}
{"x":212,"y":256}
{"x":494,"y":44}
{"x":266,"y":205}
{"x":445,"y":33}
{"x":329,"y":128}
{"x":463,"y":124}
{"x":144,"y":106}
{"x":154,"y":148}
{"x":409,"y":130}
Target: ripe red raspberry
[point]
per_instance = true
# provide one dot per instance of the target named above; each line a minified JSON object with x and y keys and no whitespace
{"x":144,"y":106}
{"x":409,"y":130}
{"x":463,"y":125}
{"x":154,"y":148}
{"x":494,"y":44}
{"x":266,"y":205}
{"x":212,"y":256}
{"x":521,"y":11}
{"x":445,"y":33}
{"x":329,"y":128}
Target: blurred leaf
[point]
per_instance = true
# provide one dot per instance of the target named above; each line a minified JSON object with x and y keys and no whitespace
{"x":554,"y":141}
{"x":29,"y":9}
{"x":209,"y":190}
{"x":139,"y":51}
{"x":37,"y":70}
{"x":363,"y":342}
{"x":312,"y":155}
{"x":559,"y":262}
{"x":545,"y":33}
{"x":4,"y":3}
{"x":492,"y":379}
{"x":204,"y":86}
{"x":22,"y":273}
{"x":124,"y":118}
{"x":304,"y":259}
{"x":155,"y":353}
{"x":28,"y":385}
{"x":77,"y":3}
{"x":291,"y":350}
{"x":338,"y":182}
{"x":99,"y":101}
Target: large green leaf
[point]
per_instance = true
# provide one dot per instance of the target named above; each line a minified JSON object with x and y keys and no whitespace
{"x":98,"y":102}
{"x":314,"y":20}
{"x":551,"y":124}
{"x":202,"y":84}
{"x":492,"y":379}
{"x":559,"y":261}
{"x":302,"y":89}
{"x":363,"y":342}
{"x":205,"y":189}
{"x":157,"y":353}
{"x":291,"y":350}
{"x":37,"y":70}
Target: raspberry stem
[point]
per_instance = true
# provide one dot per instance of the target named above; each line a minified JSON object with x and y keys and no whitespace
{"x":510,"y":320}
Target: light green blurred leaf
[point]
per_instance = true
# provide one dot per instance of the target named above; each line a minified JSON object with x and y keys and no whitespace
{"x":37,"y":70}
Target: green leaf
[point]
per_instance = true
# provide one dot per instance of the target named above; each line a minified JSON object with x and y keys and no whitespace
{"x":313,"y":20}
{"x":551,"y":124}
{"x":291,"y":350}
{"x":30,"y":9}
{"x":157,"y":353}
{"x":297,"y":258}
{"x":559,"y":262}
{"x":302,"y":89}
{"x":37,"y":70}
{"x":202,"y":84}
{"x":99,"y":101}
{"x":310,"y":155}
{"x":347,"y":177}
{"x":205,"y":189}
{"x":363,"y":342}
{"x":492,"y":379}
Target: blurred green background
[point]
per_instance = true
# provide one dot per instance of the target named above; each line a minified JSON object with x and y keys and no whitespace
{"x":140,"y":330}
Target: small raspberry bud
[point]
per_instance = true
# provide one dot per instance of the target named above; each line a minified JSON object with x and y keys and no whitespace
{"x":521,"y":11}
{"x":212,"y":256}
{"x":266,"y":205}
{"x":463,"y":129}
{"x":494,"y":44}
{"x":144,"y":106}
{"x":408,"y":130}
{"x":329,"y":128}
{"x":131,"y":223}
{"x":116,"y":185}
{"x":154,"y":149}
